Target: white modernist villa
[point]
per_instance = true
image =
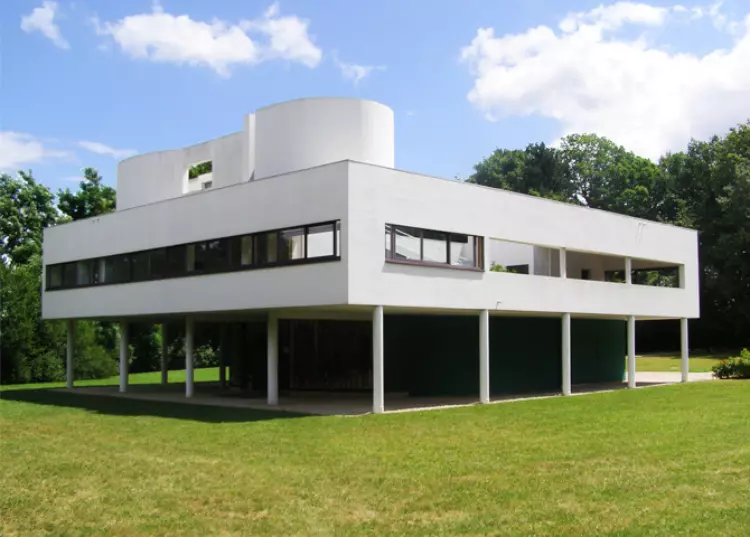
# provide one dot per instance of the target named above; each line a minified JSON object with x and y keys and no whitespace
{"x":329,"y":269}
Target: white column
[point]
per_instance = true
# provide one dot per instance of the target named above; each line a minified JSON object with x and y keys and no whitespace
{"x":189,"y":342}
{"x":273,"y":359}
{"x":124,"y":328}
{"x":631,"y":351}
{"x":566,"y":354}
{"x":378,"y":395}
{"x":484,"y":356}
{"x":628,"y":270}
{"x":223,"y":352}
{"x":563,"y":263}
{"x":70,"y":352}
{"x":685,"y":351}
{"x":164,"y":355}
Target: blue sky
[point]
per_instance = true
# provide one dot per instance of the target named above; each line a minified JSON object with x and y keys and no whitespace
{"x":86,"y":82}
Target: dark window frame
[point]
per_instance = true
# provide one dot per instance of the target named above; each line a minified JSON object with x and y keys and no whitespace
{"x":231,"y":264}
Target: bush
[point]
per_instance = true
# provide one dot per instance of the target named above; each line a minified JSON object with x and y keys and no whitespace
{"x":737,"y":367}
{"x":203,"y":355}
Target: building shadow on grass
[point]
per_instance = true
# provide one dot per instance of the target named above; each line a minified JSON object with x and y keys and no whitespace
{"x":122,"y":406}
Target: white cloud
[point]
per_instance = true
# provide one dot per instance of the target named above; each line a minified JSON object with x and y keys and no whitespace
{"x":102,"y":149}
{"x":287,"y":37}
{"x":162,"y":37}
{"x":590,"y":79}
{"x":42,"y":19}
{"x":614,"y":16}
{"x":354,"y":71}
{"x":18,"y":150}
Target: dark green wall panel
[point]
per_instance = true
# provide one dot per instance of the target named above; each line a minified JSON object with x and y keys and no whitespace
{"x":598,"y":348}
{"x":431,"y":355}
{"x":438,"y":355}
{"x":525,"y":354}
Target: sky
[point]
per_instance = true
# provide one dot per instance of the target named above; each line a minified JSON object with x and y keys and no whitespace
{"x":91,"y":82}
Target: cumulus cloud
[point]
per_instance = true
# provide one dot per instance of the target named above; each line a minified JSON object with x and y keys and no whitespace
{"x":163,"y":37}
{"x":354,"y":71}
{"x":19,"y":149}
{"x":287,"y":37}
{"x":590,"y":78}
{"x":103,"y":149}
{"x":42,"y":19}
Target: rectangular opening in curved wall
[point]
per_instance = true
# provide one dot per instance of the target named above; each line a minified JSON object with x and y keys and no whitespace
{"x":200,"y":176}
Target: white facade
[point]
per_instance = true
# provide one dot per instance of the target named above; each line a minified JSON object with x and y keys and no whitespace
{"x":318,"y":160}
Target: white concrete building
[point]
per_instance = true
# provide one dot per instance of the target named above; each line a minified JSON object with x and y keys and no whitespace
{"x":329,"y":269}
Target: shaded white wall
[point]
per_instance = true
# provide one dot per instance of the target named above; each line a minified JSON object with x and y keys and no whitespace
{"x":379,"y":195}
{"x":295,"y":199}
{"x":162,"y":175}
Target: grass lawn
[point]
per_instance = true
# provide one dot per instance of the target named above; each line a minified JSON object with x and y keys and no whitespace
{"x":206,"y":374}
{"x":672,"y":460}
{"x":699,"y":362}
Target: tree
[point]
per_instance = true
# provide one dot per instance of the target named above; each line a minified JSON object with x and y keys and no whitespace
{"x":33,"y":349}
{"x":93,"y":198}
{"x":607,"y":176}
{"x":26,"y":208}
{"x":538,"y":170}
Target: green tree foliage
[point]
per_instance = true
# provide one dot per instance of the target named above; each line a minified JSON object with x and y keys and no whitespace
{"x":538,"y":170}
{"x":26,"y":208}
{"x":33,"y":349}
{"x":92,"y":198}
{"x":707,"y":187}
{"x":200,"y":169}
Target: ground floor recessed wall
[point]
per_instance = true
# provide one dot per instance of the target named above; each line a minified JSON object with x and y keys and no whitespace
{"x":428,"y":355}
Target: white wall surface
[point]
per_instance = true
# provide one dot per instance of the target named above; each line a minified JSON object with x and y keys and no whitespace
{"x":507,"y":253}
{"x":301,"y":134}
{"x":162,"y":175}
{"x":379,"y":195}
{"x":296,"y":199}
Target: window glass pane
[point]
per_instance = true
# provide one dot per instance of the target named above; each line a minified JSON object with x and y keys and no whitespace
{"x":246,"y":250}
{"x":107,"y":270}
{"x":197,"y":257}
{"x":69,"y":275}
{"x":176,"y":264}
{"x":121,"y":269}
{"x":83,"y":272}
{"x":140,"y":270}
{"x":517,"y":269}
{"x":265,"y":247}
{"x":463,"y":250}
{"x":54,"y":276}
{"x":388,"y":237}
{"x":157,"y":263}
{"x":435,"y":246}
{"x":408,"y":243}
{"x":320,"y":241}
{"x":216,"y":255}
{"x":293,"y":244}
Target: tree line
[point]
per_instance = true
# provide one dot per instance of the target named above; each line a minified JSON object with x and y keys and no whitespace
{"x":33,"y":350}
{"x":706,"y":187}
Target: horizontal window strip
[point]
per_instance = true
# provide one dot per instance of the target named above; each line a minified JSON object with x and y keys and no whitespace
{"x":297,"y":245}
{"x":429,"y":247}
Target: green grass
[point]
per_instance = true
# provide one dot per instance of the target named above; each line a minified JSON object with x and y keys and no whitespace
{"x":207,"y":374}
{"x":672,"y":460}
{"x":699,"y":363}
